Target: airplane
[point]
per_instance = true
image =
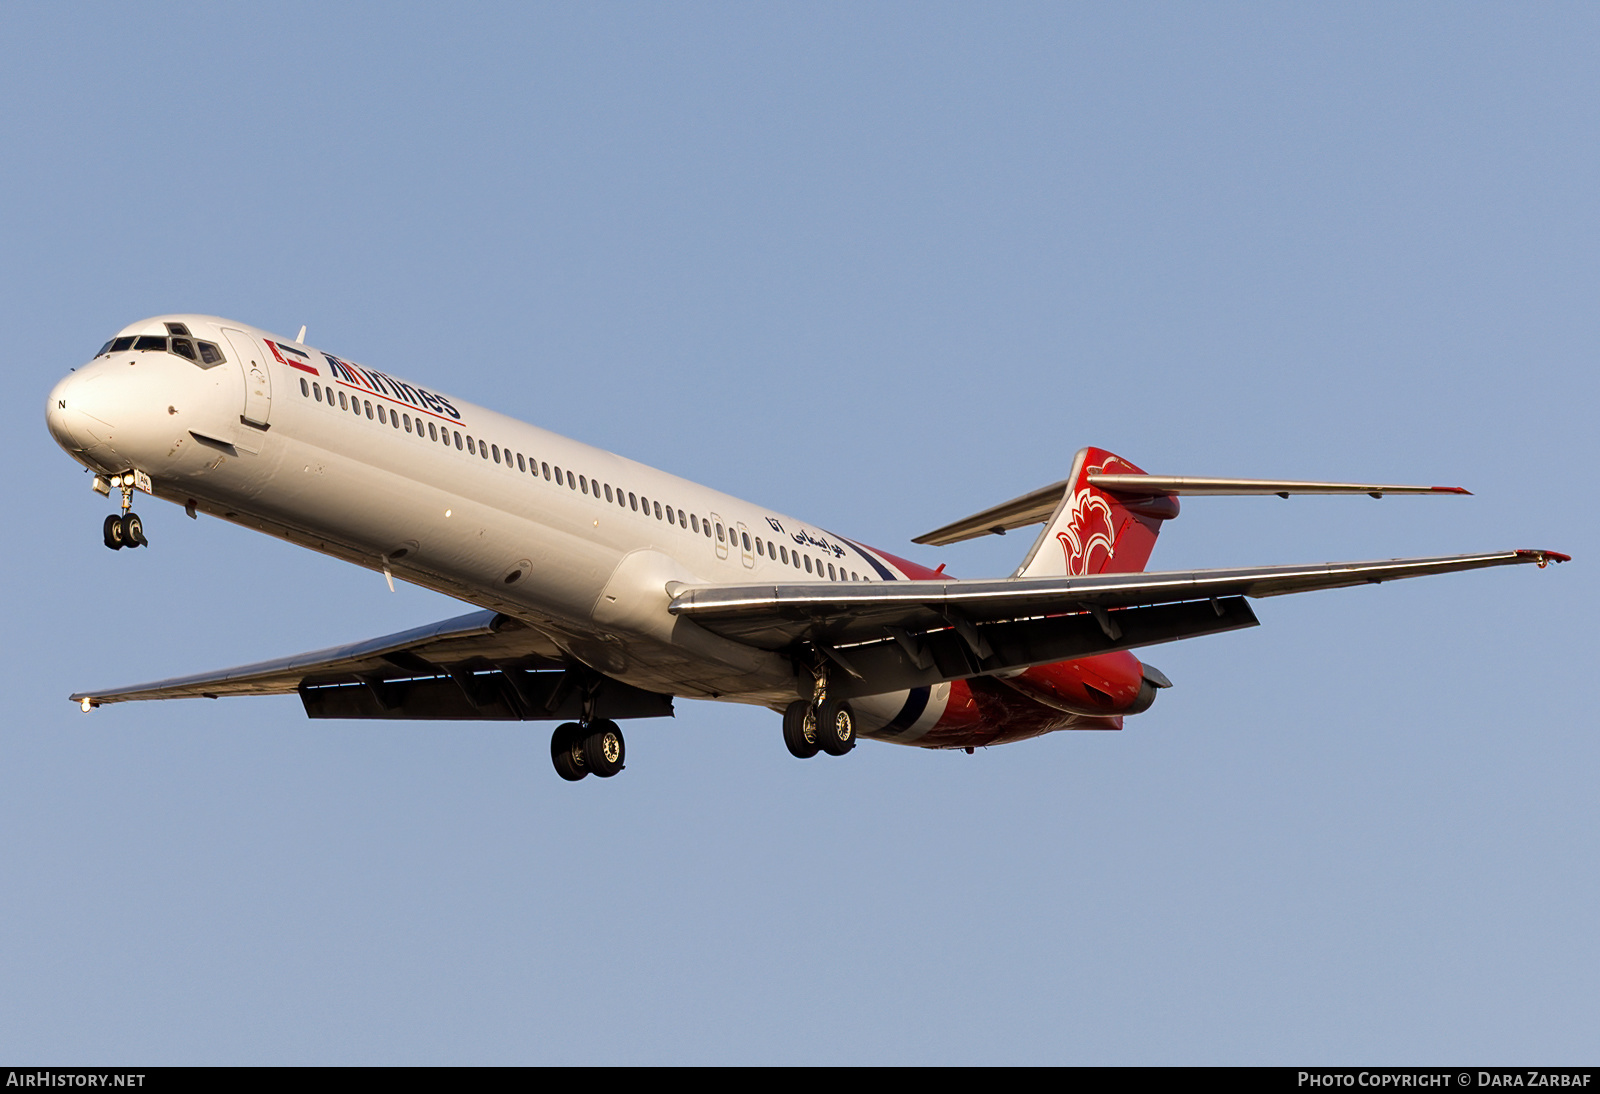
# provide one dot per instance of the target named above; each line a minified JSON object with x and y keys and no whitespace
{"x":607,"y":589}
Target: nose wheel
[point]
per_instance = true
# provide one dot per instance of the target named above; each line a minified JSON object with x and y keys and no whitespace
{"x":124,"y":531}
{"x":594,"y":749}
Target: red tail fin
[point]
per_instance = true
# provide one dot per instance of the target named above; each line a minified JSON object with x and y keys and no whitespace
{"x":1094,"y":531}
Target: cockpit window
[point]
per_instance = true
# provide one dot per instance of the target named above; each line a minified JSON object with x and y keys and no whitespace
{"x":204,"y":354}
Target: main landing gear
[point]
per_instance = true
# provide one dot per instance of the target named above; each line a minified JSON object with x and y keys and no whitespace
{"x":126,"y":530}
{"x":819,"y":724}
{"x":596,"y":748}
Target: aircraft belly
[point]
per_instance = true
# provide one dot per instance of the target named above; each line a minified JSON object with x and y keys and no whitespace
{"x":459,"y":542}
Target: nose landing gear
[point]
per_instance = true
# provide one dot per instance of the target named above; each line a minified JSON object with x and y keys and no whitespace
{"x":596,"y":748}
{"x":126,"y":530}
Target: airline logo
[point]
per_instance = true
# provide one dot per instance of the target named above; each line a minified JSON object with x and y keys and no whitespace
{"x":1089,"y":541}
{"x":388,"y":387}
{"x":288,"y":355}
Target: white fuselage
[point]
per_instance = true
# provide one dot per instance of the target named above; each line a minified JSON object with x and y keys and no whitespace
{"x":578,"y":542}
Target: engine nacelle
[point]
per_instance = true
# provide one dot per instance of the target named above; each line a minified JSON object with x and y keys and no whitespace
{"x":1104,"y":685}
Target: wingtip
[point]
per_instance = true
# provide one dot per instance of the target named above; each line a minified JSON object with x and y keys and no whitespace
{"x":1452,"y":490}
{"x":1542,"y":557}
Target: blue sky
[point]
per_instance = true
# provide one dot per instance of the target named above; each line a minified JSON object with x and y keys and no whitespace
{"x":878,"y":266}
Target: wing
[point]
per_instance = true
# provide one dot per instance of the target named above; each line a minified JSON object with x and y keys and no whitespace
{"x":911,"y":634}
{"x":479,"y":666}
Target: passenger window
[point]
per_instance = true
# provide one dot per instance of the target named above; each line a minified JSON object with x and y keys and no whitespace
{"x":305,"y":388}
{"x":683,"y":521}
{"x":705,"y":526}
{"x":583,"y":483}
{"x":783,"y":554}
{"x":209,"y":354}
{"x":408,"y":423}
{"x":796,"y":558}
{"x":471,"y":448}
{"x":608,"y":492}
{"x":808,"y":564}
{"x":830,"y":573}
{"x":572,"y":482}
{"x":182,"y":346}
{"x":694,"y":519}
{"x":316,"y":391}
{"x":759,"y":549}
{"x":658,"y":510}
{"x":458,"y":440}
{"x":496,"y":452}
{"x":720,"y":536}
{"x":342,"y":404}
{"x":521,"y":465}
{"x":382,"y":420}
{"x":394,"y":420}
{"x":483,"y":450}
{"x":368,"y":405}
{"x":546,"y":471}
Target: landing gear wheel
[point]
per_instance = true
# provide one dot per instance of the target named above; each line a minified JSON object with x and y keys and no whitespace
{"x":603,"y":748}
{"x":798,"y":735}
{"x":566,"y":751}
{"x":113,"y":532}
{"x":133,"y":531}
{"x":836,"y":727}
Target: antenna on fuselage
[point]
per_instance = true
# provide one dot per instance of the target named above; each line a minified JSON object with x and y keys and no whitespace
{"x":301,"y":337}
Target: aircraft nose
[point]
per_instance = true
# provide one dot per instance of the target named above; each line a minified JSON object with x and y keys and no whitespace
{"x":81,"y":411}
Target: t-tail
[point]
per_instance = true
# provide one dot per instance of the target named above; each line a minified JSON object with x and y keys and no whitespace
{"x":1095,"y":531}
{"x":1104,"y":518}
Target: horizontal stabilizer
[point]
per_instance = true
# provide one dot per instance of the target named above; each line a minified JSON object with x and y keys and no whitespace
{"x":1190,"y":486}
{"x":1032,"y":508}
{"x":1038,"y":506}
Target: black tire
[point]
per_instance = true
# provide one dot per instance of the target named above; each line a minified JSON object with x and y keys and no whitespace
{"x":604,"y":749}
{"x":133,"y":531}
{"x":113,"y":532}
{"x":800,"y":739}
{"x":566,"y":751}
{"x":836,"y":727}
